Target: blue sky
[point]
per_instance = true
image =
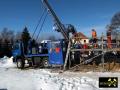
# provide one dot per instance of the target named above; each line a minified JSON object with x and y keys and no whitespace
{"x":83,"y":14}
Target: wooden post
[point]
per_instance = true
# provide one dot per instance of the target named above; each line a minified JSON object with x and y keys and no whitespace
{"x":69,"y":61}
{"x":102,"y":40}
{"x":67,"y":55}
{"x":102,"y":52}
{"x":109,"y":66}
{"x":103,"y":60}
{"x":94,"y":66}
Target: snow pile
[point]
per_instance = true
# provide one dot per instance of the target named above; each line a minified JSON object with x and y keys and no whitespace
{"x":6,"y":62}
{"x":47,"y":81}
{"x":43,"y":79}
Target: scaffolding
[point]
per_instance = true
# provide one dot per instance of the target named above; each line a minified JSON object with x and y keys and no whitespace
{"x":101,"y":52}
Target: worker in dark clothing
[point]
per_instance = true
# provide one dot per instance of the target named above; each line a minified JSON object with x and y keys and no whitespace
{"x":37,"y":48}
{"x":77,"y":53}
{"x":78,"y":45}
{"x":94,"y":38}
{"x":109,"y":40}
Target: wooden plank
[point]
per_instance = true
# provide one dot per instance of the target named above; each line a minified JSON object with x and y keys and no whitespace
{"x":114,"y":49}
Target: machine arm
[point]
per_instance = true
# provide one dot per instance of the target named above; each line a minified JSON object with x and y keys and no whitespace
{"x":60,"y":26}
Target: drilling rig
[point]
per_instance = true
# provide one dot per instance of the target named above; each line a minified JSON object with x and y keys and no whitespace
{"x":52,"y":53}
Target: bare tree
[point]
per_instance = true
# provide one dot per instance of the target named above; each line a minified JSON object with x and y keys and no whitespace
{"x":7,"y":35}
{"x":6,"y":41}
{"x":115,"y":21}
{"x":115,"y":26}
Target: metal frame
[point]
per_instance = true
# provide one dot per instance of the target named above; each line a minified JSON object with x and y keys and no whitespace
{"x":102,"y":49}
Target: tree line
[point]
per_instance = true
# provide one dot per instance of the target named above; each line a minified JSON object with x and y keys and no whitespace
{"x":9,"y":37}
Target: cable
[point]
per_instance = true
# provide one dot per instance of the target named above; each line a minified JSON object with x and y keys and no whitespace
{"x":41,"y":26}
{"x":38,"y":23}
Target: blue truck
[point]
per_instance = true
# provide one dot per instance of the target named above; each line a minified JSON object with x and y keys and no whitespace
{"x":44,"y":55}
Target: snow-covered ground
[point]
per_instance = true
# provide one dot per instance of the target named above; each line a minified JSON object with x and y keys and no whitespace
{"x":12,"y":78}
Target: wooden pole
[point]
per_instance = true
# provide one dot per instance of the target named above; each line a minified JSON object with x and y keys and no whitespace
{"x":67,"y":55}
{"x":102,"y":40}
{"x":103,"y":61}
{"x":69,"y":61}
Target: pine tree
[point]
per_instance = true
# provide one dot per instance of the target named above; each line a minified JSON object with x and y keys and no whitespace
{"x":25,"y":35}
{"x":25,"y":38}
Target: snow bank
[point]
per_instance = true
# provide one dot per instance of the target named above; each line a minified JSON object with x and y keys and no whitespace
{"x":49,"y":81}
{"x":6,"y":62}
{"x":43,"y":79}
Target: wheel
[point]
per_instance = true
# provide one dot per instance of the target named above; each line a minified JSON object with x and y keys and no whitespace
{"x":30,"y":64}
{"x":14,"y":60}
{"x":20,"y":63}
{"x":45,"y":62}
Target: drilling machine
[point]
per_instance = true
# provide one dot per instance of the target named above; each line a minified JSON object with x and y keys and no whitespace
{"x":57,"y":51}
